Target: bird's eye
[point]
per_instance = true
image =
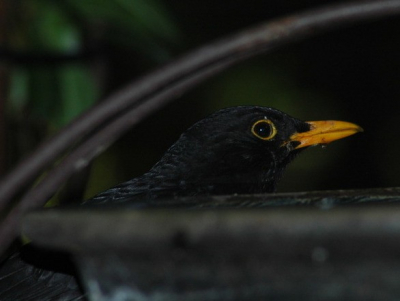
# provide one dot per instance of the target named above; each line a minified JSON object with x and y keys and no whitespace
{"x":264,"y":129}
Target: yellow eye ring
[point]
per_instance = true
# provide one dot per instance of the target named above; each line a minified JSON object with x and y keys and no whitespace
{"x":264,"y":129}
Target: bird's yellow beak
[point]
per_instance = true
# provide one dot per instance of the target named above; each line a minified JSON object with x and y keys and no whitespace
{"x":324,"y":132}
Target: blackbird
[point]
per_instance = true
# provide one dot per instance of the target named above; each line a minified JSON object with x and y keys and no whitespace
{"x":238,"y":150}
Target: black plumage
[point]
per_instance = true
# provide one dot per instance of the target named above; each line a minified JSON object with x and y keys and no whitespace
{"x":239,"y":150}
{"x":218,"y":155}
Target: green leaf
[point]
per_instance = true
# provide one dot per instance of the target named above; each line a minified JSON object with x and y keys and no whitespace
{"x":49,"y":28}
{"x":77,"y":92}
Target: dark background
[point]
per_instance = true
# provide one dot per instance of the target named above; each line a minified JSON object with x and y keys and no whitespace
{"x":60,"y":57}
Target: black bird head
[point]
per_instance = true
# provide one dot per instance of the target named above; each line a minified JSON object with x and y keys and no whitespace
{"x":238,"y":150}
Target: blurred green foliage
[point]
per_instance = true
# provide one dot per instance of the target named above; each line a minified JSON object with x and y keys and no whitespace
{"x":56,"y":92}
{"x":51,"y":93}
{"x":59,"y":48}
